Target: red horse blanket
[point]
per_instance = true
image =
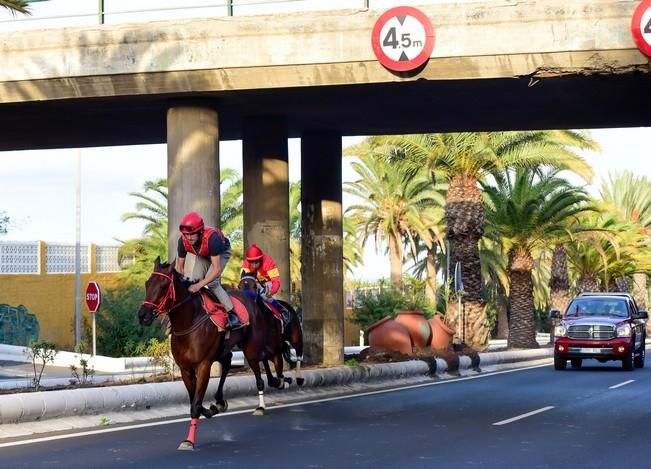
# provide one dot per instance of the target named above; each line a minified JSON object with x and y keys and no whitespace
{"x":217,"y":314}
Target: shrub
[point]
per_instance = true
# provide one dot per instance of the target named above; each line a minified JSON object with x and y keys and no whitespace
{"x":118,"y":332}
{"x":41,"y":353}
{"x":373,"y":307}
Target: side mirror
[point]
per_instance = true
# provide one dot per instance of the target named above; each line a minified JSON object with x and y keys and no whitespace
{"x":641,"y":315}
{"x":555,"y":314}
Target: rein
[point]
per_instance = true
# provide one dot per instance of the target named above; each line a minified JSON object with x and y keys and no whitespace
{"x":160,"y":308}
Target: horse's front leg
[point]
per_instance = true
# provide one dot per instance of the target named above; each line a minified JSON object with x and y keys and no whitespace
{"x":222,"y":405}
{"x":278,"y":364}
{"x":271,"y":379}
{"x":255,"y":367}
{"x":190,"y":380}
{"x":201,"y":377}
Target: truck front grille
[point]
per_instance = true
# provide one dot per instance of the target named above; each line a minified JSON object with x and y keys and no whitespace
{"x":591,"y":332}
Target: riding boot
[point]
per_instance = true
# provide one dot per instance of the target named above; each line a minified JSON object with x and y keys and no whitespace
{"x":233,"y":320}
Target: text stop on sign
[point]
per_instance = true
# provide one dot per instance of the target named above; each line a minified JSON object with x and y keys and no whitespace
{"x":93,"y":297}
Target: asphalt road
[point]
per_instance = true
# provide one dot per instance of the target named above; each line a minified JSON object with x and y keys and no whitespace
{"x":596,"y":417}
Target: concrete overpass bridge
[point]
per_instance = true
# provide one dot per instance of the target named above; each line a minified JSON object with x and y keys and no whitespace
{"x":495,"y":65}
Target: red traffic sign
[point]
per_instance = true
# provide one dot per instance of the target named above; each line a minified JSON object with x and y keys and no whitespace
{"x":641,"y":27}
{"x":93,"y":297}
{"x":403,"y":38}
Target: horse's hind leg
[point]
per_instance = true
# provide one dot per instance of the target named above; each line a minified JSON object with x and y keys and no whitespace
{"x":278,"y":363}
{"x":296,"y":339}
{"x":271,"y":379}
{"x":222,"y":405}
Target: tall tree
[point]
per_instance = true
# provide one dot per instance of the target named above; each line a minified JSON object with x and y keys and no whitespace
{"x":391,"y":207}
{"x":529,"y":207}
{"x":466,"y":158}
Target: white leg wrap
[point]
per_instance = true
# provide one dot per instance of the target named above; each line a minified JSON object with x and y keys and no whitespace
{"x":298,"y":366}
{"x":261,"y":399}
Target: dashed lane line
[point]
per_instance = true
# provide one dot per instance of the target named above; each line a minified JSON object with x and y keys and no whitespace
{"x":523,"y":416}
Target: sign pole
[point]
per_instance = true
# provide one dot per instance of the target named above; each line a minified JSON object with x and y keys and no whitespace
{"x":94,"y":349}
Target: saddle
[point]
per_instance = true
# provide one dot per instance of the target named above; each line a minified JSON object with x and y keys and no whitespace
{"x":215,"y":310}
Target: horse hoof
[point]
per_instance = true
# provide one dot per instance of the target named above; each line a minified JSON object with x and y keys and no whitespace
{"x":186,"y":446}
{"x":223,"y":407}
{"x":214,"y":409}
{"x":281,"y":385}
{"x":300,"y":381}
{"x":259,"y":411}
{"x":288,"y":380}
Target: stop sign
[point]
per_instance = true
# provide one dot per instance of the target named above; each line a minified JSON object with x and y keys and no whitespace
{"x":93,"y":297}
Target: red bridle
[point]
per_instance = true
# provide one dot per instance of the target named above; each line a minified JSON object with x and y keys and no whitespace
{"x":170,"y":296}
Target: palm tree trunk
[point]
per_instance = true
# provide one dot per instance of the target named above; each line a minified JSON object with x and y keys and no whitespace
{"x":522,"y":330}
{"x":430,"y":286}
{"x":640,"y":290}
{"x":464,"y":213}
{"x":501,"y":304}
{"x":588,"y":282}
{"x":396,"y":261}
{"x":559,"y":282}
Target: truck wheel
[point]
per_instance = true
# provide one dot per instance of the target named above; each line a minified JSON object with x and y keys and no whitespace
{"x":639,"y":360}
{"x":559,"y":363}
{"x":576,"y":362}
{"x":627,"y":361}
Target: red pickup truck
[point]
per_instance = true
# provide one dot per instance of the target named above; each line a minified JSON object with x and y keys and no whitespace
{"x":601,"y":326}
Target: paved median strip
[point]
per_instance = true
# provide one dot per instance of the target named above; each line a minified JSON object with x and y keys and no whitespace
{"x":523,"y":416}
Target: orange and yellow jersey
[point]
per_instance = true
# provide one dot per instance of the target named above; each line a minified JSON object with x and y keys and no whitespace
{"x":268,"y":272}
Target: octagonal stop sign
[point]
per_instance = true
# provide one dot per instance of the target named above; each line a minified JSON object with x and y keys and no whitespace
{"x":93,"y":297}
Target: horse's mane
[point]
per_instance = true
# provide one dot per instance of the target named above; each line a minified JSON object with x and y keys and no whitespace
{"x":186,"y":282}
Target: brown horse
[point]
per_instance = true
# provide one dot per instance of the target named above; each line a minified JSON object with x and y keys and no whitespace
{"x":197,"y":342}
{"x":279,"y":337}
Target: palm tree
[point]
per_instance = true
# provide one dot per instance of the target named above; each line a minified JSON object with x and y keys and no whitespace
{"x":529,"y":207}
{"x":20,"y":6}
{"x":394,"y":208}
{"x":466,"y":158}
{"x":629,"y":196}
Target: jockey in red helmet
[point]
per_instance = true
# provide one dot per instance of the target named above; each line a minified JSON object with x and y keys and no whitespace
{"x":211,"y":251}
{"x":266,"y":271}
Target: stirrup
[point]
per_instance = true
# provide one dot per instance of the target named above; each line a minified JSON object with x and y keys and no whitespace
{"x":233,"y":320}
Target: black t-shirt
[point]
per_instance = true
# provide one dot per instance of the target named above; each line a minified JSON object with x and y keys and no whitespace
{"x":215,"y":246}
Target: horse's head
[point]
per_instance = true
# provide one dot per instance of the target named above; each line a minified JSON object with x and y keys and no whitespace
{"x":249,"y":284}
{"x":160,"y":295}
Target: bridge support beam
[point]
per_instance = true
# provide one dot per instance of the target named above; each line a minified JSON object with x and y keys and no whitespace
{"x":192,"y":167}
{"x":322,"y":248}
{"x":266,"y":191}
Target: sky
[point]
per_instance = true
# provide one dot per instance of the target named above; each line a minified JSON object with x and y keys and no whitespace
{"x":37,"y":188}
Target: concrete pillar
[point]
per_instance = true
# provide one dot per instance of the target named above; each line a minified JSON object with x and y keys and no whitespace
{"x":192,"y":167}
{"x":322,"y":248}
{"x":266,"y":192}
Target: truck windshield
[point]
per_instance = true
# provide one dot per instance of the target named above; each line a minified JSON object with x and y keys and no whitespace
{"x":615,"y":307}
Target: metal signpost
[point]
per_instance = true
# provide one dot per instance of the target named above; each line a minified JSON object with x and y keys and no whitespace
{"x":93,"y":301}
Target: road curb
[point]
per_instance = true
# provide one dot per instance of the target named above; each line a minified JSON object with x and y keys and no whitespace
{"x":37,"y":406}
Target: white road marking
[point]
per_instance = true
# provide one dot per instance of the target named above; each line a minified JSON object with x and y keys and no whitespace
{"x":524,"y":416}
{"x":274,"y":407}
{"x":622,"y":384}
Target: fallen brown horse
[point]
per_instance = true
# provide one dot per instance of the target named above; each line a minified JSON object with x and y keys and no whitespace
{"x":197,"y":342}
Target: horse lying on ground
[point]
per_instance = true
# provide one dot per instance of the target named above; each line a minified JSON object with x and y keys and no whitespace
{"x":196,"y":342}
{"x":280,"y":337}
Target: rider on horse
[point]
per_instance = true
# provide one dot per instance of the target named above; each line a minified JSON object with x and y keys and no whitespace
{"x":264,"y":268}
{"x":210,"y":250}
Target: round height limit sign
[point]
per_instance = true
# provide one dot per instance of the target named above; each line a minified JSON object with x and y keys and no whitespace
{"x":641,"y":27}
{"x":403,"y":39}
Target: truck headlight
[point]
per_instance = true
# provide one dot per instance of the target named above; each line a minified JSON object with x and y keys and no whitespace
{"x":624,"y":330}
{"x":560,"y":331}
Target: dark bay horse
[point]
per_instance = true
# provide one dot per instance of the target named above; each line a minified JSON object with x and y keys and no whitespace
{"x":197,"y":342}
{"x":279,"y":338}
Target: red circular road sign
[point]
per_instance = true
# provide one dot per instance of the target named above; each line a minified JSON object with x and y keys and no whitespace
{"x":403,"y":38}
{"x":641,"y":27}
{"x":93,"y":296}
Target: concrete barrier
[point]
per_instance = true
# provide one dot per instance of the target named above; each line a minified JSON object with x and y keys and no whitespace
{"x":29,"y":407}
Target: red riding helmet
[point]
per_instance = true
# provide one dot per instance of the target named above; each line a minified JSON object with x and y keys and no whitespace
{"x":191,"y":223}
{"x":254,"y":253}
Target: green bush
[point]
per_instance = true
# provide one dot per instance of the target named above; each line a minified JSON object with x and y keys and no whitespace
{"x":371,"y":308}
{"x":119,"y":334}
